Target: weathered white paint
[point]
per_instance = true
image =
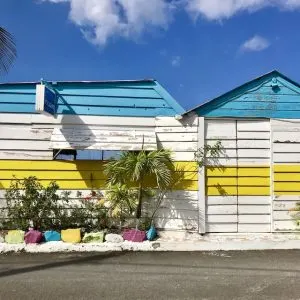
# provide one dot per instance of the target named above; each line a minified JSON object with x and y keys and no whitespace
{"x":201,"y":180}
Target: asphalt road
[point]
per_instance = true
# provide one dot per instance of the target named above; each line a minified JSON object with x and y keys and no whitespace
{"x":132,"y":275}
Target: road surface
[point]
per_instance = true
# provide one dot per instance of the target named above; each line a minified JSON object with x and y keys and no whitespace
{"x":140,"y":275}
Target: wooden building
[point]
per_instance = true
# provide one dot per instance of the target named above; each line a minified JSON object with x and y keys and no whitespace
{"x":258,"y":182}
{"x":91,"y":122}
{"x":251,"y":188}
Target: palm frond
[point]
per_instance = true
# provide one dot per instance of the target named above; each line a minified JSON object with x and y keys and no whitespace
{"x":8,"y":51}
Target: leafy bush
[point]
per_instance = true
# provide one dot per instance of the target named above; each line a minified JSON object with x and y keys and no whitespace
{"x":31,"y":204}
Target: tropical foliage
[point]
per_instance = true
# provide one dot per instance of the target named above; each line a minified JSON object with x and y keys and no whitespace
{"x":209,"y":154}
{"x":142,"y":172}
{"x":8,"y":50}
{"x":30,"y":204}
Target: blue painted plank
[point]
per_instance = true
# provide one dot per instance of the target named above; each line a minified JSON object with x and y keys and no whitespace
{"x":95,"y":111}
{"x":83,"y":100}
{"x":268,"y":98}
{"x":253,"y":114}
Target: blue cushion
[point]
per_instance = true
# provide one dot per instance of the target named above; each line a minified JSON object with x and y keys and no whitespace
{"x":52,"y":236}
{"x":151,"y":233}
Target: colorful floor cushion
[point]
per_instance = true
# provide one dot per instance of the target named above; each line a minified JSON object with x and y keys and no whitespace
{"x":71,"y":235}
{"x":52,"y":236}
{"x":15,"y":237}
{"x":93,"y":237}
{"x":33,"y":237}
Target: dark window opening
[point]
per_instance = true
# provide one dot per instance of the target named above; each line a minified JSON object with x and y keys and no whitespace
{"x":71,"y":155}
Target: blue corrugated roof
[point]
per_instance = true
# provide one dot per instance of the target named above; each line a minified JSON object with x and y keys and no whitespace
{"x":145,"y":98}
{"x":272,"y":95}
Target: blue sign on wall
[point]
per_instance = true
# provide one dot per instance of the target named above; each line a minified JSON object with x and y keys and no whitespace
{"x":45,"y":100}
{"x":49,"y":101}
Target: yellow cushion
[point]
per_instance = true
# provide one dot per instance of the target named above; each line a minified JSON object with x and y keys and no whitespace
{"x":71,"y":235}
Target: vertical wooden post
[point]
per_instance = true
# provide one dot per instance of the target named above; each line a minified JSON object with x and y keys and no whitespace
{"x":271,"y":177}
{"x":201,"y":180}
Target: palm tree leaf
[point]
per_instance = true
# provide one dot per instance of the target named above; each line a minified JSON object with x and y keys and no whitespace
{"x":8,"y":52}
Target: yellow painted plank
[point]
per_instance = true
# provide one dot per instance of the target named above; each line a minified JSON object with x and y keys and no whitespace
{"x":285,"y":193}
{"x":286,"y":186}
{"x":191,"y":185}
{"x":221,"y":190}
{"x":51,"y":165}
{"x":241,"y":191}
{"x":71,"y":165}
{"x":73,"y":175}
{"x":65,"y":184}
{"x":287,"y":177}
{"x":254,"y":191}
{"x":250,"y":171}
{"x":187,"y":166}
{"x":254,"y":181}
{"x":287,"y":168}
{"x":211,"y":181}
{"x":226,"y":171}
{"x":53,"y":175}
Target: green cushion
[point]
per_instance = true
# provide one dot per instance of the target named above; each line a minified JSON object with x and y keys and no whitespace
{"x":15,"y":237}
{"x":93,"y":237}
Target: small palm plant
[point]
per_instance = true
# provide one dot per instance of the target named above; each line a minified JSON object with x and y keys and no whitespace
{"x":120,"y":200}
{"x":141,"y":169}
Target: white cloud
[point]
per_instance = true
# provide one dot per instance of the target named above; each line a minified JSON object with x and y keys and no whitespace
{"x":224,"y":9}
{"x":176,"y":61}
{"x":102,"y":20}
{"x":256,"y":43}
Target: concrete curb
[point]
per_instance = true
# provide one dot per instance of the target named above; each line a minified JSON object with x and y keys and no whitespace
{"x":201,"y":245}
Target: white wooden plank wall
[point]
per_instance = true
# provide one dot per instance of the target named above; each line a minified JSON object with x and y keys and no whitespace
{"x":221,"y":211}
{"x":253,"y":149}
{"x":179,"y":209}
{"x":27,"y":136}
{"x":180,"y":136}
{"x":286,"y":152}
{"x":246,"y":144}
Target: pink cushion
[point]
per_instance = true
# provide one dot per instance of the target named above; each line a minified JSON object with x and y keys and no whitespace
{"x":33,"y":237}
{"x":134,"y":235}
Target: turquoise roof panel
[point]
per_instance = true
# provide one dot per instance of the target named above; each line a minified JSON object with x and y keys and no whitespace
{"x":272,"y":95}
{"x":142,"y":98}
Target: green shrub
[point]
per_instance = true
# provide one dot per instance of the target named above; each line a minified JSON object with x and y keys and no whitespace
{"x":30,"y":204}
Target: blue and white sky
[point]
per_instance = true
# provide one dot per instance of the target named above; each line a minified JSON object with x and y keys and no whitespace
{"x":197,"y":49}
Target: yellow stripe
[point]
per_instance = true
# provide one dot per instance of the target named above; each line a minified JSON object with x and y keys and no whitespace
{"x":88,"y":184}
{"x":233,"y":191}
{"x":286,"y":168}
{"x":254,"y":181}
{"x":81,"y":174}
{"x":226,"y":171}
{"x":211,"y":181}
{"x":254,"y":191}
{"x":238,"y":171}
{"x":251,"y":171}
{"x":295,"y":193}
{"x":287,"y":177}
{"x":287,"y":186}
{"x":221,"y":191}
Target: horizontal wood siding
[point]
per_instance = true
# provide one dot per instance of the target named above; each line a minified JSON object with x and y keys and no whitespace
{"x":27,"y":139}
{"x":286,"y":154}
{"x":238,"y":187}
